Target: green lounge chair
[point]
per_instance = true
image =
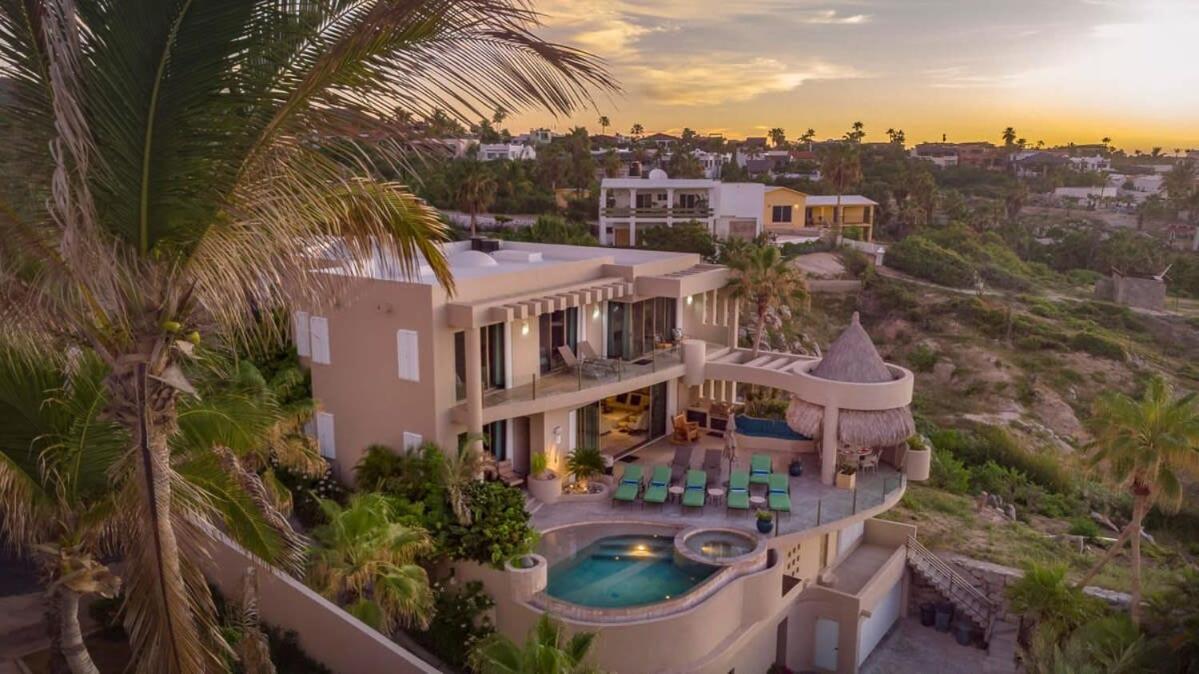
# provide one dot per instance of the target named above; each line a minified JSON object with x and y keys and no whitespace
{"x":697,"y":489}
{"x":738,"y":495}
{"x":760,"y":469}
{"x":657,"y":490}
{"x":780,"y":493}
{"x":630,"y":484}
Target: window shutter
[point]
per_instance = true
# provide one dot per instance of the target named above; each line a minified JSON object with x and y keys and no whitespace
{"x":325,"y":438}
{"x":318,"y":329}
{"x":412,"y":441}
{"x":408,"y":354}
{"x":300,"y":330}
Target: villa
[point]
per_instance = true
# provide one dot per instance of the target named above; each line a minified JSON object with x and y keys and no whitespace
{"x":544,"y":349}
{"x":725,"y":208}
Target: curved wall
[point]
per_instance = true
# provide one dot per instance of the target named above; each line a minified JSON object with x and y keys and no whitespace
{"x":797,"y":379}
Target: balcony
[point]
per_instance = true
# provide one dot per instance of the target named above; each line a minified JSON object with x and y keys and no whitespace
{"x":657,"y":212}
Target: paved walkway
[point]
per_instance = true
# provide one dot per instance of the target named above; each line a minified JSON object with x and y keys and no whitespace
{"x":911,"y":648}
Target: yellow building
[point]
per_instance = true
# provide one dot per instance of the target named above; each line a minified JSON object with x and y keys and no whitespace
{"x":782,"y":206}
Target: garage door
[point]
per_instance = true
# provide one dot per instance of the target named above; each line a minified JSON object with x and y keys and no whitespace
{"x":882,"y":617}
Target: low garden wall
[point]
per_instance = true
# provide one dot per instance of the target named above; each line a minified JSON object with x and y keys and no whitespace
{"x":327,"y":633}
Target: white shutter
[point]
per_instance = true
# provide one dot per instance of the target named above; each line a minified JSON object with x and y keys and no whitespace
{"x":412,"y":441}
{"x":318,"y":329}
{"x":325,"y":438}
{"x":408,"y":354}
{"x":300,"y":325}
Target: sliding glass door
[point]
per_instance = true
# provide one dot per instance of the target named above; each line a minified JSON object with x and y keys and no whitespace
{"x":558,"y":328}
{"x":587,"y":426}
{"x":635,"y":327}
{"x":492,"y":352}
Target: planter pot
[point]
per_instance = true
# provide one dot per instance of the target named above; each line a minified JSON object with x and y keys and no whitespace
{"x":917,"y":463}
{"x":928,"y":614}
{"x":546,"y":490}
{"x":529,"y":578}
{"x":963,"y":633}
{"x":795,"y":469}
{"x":765,"y":526}
{"x":847,"y":481}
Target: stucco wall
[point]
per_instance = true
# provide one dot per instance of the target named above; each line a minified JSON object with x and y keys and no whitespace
{"x":784,"y":197}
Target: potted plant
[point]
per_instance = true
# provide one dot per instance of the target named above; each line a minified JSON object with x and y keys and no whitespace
{"x":765,"y":521}
{"x":847,"y":477}
{"x":917,"y":461}
{"x":795,"y":468}
{"x":544,"y":484}
{"x":585,"y":463}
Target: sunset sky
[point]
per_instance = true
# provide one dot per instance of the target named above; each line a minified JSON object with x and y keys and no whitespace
{"x":1056,"y":70}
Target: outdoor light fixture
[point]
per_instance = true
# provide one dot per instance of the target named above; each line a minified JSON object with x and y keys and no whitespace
{"x":524,"y":328}
{"x":595,"y":313}
{"x":690,"y":299}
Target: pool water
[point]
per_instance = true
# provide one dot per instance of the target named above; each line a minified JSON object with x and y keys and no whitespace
{"x":720,"y":544}
{"x":629,"y":570}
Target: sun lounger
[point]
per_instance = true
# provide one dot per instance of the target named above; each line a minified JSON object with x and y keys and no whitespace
{"x":680,"y":464}
{"x":696,"y":492}
{"x":630,"y":484}
{"x":712,"y":465}
{"x":738,"y":494}
{"x":780,"y":493}
{"x":760,"y":469}
{"x":656,"y":492}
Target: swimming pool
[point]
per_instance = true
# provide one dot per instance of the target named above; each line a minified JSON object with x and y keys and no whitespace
{"x":625,"y":570}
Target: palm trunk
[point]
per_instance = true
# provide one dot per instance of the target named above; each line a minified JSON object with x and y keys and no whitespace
{"x":73,"y":648}
{"x":761,"y":331}
{"x":1112,"y":551}
{"x":473,"y":232}
{"x":1138,"y":515}
{"x":837,"y":219}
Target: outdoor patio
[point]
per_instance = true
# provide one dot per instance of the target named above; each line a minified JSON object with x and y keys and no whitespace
{"x":812,"y":503}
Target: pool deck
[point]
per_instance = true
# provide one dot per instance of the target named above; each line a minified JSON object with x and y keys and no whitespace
{"x":812,"y":503}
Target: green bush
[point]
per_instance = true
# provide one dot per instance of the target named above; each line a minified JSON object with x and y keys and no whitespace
{"x":459,"y":622}
{"x":687,"y":237}
{"x":585,"y":463}
{"x":996,"y":479}
{"x":1084,"y":526}
{"x":991,"y":443}
{"x":1098,"y":345}
{"x":949,"y":473}
{"x":767,"y":408}
{"x":922,"y":358}
{"x":499,"y":529}
{"x":856,"y":262}
{"x":924,"y":259}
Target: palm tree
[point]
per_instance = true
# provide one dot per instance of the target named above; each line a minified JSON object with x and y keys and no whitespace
{"x":458,"y":470}
{"x":1155,"y":152}
{"x":1107,"y":142}
{"x":612,"y":164}
{"x":636,"y":130}
{"x":1144,"y":446}
{"x":842,"y":168}
{"x":807,"y":137}
{"x":604,"y":123}
{"x":585,"y":463}
{"x":367,"y":560}
{"x":498,"y":117}
{"x":778,"y":137}
{"x":58,"y":456}
{"x":196,"y":151}
{"x":476,"y":191}
{"x":1009,"y":137}
{"x":542,"y":653}
{"x":766,"y":280}
{"x":856,"y":133}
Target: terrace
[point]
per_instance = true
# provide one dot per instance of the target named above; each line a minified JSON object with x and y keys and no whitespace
{"x":813,"y":504}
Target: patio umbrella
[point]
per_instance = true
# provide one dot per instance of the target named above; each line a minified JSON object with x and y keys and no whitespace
{"x":730,"y":441}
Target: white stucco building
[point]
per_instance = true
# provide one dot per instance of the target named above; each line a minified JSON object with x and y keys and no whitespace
{"x":727,"y":209}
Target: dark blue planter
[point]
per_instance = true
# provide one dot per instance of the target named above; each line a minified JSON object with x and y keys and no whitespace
{"x":795,"y":469}
{"x":765,"y":526}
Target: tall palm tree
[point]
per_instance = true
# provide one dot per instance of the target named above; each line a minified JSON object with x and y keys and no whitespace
{"x":367,"y":560}
{"x":476,"y":191}
{"x":842,"y":168}
{"x":1009,"y":137}
{"x":544,"y":652}
{"x":636,"y":130}
{"x":766,"y":280}
{"x":197,"y":151}
{"x":807,"y":137}
{"x":604,"y":123}
{"x":1144,"y":446}
{"x":778,"y":137}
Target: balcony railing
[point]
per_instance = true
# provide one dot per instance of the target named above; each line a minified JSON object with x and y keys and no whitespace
{"x":590,"y":373}
{"x":660,"y":212}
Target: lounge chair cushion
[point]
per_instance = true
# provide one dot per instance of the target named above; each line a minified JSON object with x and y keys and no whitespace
{"x":630,"y":484}
{"x":779,"y":496}
{"x":759,"y":469}
{"x":738,"y":494}
{"x":657,"y":490}
{"x":696,"y":492}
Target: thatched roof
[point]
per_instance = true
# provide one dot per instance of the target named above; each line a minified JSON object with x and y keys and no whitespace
{"x":853,"y":358}
{"x":860,"y":428}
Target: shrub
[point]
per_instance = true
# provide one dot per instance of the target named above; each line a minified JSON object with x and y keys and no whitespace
{"x":459,"y":622}
{"x":996,"y":479}
{"x":538,"y":464}
{"x":992,"y":443}
{"x":1097,"y":345}
{"x":585,"y":463}
{"x":687,"y":237}
{"x":922,"y":358}
{"x":1084,"y":526}
{"x":767,"y":408}
{"x":499,"y":529}
{"x":949,"y":473}
{"x":855,"y":261}
{"x":924,"y":259}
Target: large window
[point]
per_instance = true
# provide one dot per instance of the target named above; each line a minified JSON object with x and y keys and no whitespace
{"x":780,"y":214}
{"x":558,"y":328}
{"x":634,"y":328}
{"x":491,"y":352}
{"x":495,"y":439}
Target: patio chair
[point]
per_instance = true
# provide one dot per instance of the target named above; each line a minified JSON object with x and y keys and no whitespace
{"x":779,"y":496}
{"x":696,"y":493}
{"x":684,"y":431}
{"x":760,"y":468}
{"x":869,"y":462}
{"x":590,"y":357}
{"x":680,"y":464}
{"x":738,"y":494}
{"x":630,"y":484}
{"x":575,"y":365}
{"x":712,"y":465}
{"x":656,"y":492}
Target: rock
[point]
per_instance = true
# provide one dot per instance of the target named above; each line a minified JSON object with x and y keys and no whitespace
{"x":1104,"y":520}
{"x":980,"y":502}
{"x":943,"y":371}
{"x":1011,"y":512}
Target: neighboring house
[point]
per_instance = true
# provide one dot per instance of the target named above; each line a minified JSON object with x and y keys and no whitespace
{"x":1136,"y":187}
{"x":399,"y":362}
{"x":726,"y":209}
{"x":510,"y":151}
{"x":711,"y":161}
{"x":663,"y":141}
{"x":1091,"y":163}
{"x":1031,"y":164}
{"x":941,"y":155}
{"x":535,"y":137}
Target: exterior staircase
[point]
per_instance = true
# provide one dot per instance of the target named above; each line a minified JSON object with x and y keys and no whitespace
{"x":966,"y":599}
{"x":532,"y":505}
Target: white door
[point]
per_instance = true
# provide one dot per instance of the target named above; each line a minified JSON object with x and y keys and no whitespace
{"x":882,"y":617}
{"x":827,"y":634}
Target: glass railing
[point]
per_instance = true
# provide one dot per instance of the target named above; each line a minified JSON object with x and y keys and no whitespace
{"x":587,"y":373}
{"x":871,"y":492}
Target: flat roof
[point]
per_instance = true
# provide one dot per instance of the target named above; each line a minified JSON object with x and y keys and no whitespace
{"x":846,"y":200}
{"x":659,"y":182}
{"x":513,"y":257}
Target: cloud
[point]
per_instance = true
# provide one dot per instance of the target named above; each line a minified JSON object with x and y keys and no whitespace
{"x":692,"y":82}
{"x":830,"y":17}
{"x":961,"y":77}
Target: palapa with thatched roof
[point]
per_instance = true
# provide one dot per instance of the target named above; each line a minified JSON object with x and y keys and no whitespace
{"x":852,"y":358}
